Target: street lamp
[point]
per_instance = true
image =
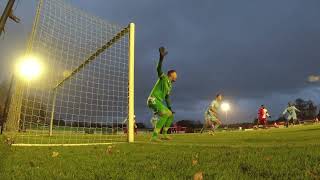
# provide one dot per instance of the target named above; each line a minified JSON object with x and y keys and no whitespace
{"x":29,"y":68}
{"x":225,"y":107}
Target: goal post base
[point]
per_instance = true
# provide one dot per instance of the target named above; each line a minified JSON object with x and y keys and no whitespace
{"x":64,"y":145}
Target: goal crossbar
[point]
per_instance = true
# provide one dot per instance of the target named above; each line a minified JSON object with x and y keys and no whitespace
{"x":95,"y":54}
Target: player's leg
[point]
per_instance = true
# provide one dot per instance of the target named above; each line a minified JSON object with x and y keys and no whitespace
{"x":210,"y":124}
{"x":167,"y":125}
{"x":164,"y":115}
{"x":154,"y":120}
{"x":290,"y":121}
{"x":265,"y":123}
{"x":260,"y":120}
{"x":203,"y":127}
{"x":154,"y":105}
{"x":162,"y":112}
{"x":205,"y":123}
{"x":258,"y":123}
{"x":214,"y":124}
{"x":217,"y":124}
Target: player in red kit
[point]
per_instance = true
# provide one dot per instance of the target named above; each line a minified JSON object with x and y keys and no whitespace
{"x":263,"y":116}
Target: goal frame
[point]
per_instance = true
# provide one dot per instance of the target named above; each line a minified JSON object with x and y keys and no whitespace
{"x":128,"y":31}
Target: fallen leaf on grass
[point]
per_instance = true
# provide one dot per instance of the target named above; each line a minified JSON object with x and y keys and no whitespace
{"x":194,"y":162}
{"x":195,"y":159}
{"x":198,"y":176}
{"x":109,"y":149}
{"x":55,"y":154}
{"x":9,"y":141}
{"x":268,"y":158}
{"x":312,"y":174}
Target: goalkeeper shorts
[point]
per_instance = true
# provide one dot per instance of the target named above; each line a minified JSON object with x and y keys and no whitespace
{"x":156,"y":105}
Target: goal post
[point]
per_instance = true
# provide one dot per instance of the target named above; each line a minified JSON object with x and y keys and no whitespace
{"x":131,"y":83}
{"x":86,"y":89}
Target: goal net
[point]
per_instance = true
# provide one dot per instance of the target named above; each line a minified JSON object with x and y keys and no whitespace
{"x":85,"y":89}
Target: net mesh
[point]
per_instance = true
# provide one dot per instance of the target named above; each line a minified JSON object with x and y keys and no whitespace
{"x":83,"y":88}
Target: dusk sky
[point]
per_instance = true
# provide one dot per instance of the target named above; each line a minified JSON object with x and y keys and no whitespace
{"x":254,"y":52}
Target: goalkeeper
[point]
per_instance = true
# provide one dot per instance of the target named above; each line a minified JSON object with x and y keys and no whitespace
{"x":160,"y":93}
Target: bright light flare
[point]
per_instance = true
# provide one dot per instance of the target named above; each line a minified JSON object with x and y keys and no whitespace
{"x":225,"y":107}
{"x":29,"y":68}
{"x":313,"y":78}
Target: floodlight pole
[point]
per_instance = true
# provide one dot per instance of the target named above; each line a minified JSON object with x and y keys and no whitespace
{"x":5,"y":15}
{"x":226,"y":116}
{"x":131,"y":84}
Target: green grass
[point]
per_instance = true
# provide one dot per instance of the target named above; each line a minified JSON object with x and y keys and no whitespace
{"x":292,"y":153}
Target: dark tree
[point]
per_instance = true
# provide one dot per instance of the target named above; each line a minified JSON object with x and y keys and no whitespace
{"x":190,"y":125}
{"x":308,"y":109}
{"x":141,"y":125}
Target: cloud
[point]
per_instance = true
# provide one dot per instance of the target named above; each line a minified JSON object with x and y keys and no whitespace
{"x":252,"y":51}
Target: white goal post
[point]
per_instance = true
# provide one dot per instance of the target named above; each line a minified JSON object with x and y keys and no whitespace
{"x":86,"y":86}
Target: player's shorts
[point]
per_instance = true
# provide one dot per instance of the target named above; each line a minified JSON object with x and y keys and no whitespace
{"x":210,"y":117}
{"x":289,"y":118}
{"x":262,"y":120}
{"x":156,"y":105}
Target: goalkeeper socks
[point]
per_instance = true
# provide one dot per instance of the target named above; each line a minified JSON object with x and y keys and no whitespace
{"x":155,"y":133}
{"x":165,"y":131}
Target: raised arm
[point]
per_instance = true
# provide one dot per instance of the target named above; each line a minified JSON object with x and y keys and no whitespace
{"x":159,"y":67}
{"x":162,"y":53}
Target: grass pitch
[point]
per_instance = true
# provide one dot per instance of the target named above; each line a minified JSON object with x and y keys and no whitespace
{"x":292,"y":153}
